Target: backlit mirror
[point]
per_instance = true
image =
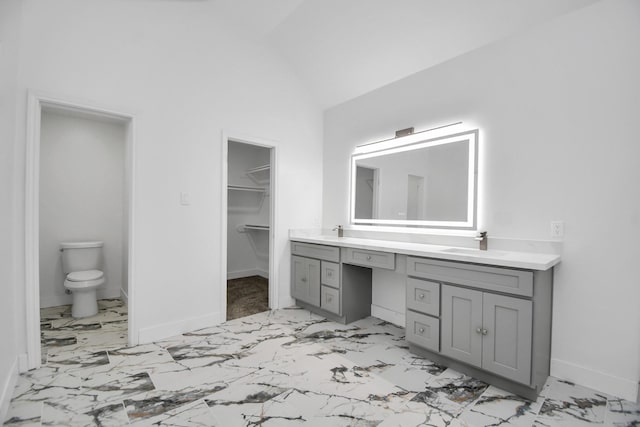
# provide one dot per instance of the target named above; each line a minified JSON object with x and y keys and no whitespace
{"x":419,"y":180}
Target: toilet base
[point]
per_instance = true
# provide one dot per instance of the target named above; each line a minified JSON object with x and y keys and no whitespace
{"x":85,"y":303}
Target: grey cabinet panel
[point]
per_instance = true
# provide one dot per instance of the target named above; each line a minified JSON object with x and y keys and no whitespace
{"x":423,"y":296}
{"x":369,"y":258}
{"x":506,"y":348}
{"x":305,"y":274}
{"x":423,"y":330}
{"x":328,"y":253}
{"x":512,"y":281}
{"x":461,"y":321}
{"x":330,"y":299}
{"x":330,"y":274}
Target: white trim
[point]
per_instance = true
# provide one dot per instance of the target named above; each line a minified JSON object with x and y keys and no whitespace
{"x":124,"y":297}
{"x":8,"y":386}
{"x":387,"y":315}
{"x":625,"y":388}
{"x":31,"y":231}
{"x":273,"y":215}
{"x":23,"y":362}
{"x":247,"y":273}
{"x":36,"y":101}
{"x":170,"y":329}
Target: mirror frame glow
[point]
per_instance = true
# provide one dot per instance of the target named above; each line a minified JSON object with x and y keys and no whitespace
{"x":414,"y":142}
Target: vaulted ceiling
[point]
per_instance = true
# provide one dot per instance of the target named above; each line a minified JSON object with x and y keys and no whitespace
{"x":344,"y":48}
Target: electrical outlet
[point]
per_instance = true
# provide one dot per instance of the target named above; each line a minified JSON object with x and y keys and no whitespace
{"x":185,"y":198}
{"x":557,"y":229}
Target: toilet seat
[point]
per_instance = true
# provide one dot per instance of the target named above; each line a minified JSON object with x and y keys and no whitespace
{"x":78,"y":280}
{"x":83,"y":276}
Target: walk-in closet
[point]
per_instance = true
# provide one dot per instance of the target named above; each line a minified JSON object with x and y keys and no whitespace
{"x":248,"y":229}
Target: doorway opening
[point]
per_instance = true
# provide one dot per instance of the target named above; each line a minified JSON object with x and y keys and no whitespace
{"x":79,"y":192}
{"x":248,"y":217}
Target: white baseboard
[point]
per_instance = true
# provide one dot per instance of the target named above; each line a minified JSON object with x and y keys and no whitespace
{"x":23,"y":362}
{"x":66,"y":299}
{"x":8,"y":386}
{"x":170,"y":329}
{"x":124,"y":297}
{"x":624,"y":388}
{"x":247,"y":273}
{"x":54,"y":300}
{"x":285,"y":301}
{"x":387,"y":315}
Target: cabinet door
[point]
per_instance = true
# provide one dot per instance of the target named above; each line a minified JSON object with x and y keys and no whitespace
{"x":461,"y":324}
{"x":305,"y":277}
{"x":506,"y":347}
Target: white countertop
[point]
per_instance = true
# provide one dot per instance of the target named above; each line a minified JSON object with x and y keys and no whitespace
{"x":525,"y":260}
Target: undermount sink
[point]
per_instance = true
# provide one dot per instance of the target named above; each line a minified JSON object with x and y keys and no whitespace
{"x":475,"y":252}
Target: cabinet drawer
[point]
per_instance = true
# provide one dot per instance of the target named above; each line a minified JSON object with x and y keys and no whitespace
{"x":330,"y":299}
{"x":423,"y":330}
{"x":517,"y":282}
{"x":423,"y":296}
{"x":327,"y":253}
{"x":369,"y":258}
{"x":330,"y":274}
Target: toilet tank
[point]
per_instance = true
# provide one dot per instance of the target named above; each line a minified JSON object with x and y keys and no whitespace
{"x":81,"y":256}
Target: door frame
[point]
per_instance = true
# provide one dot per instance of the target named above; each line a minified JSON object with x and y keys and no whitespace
{"x":36,"y":102}
{"x":273,"y":191}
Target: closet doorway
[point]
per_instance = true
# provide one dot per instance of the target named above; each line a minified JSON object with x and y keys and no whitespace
{"x":249,"y":228}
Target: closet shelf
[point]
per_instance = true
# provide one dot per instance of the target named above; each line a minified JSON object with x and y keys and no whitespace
{"x":246,"y":188}
{"x":256,"y":227}
{"x":260,"y":175}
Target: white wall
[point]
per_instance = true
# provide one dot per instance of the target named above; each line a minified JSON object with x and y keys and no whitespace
{"x":82,"y":183}
{"x":247,"y":250}
{"x":186,"y":77}
{"x":558,"y":108}
{"x":9,"y":42}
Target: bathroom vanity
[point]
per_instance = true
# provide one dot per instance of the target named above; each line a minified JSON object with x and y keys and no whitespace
{"x":484,"y":313}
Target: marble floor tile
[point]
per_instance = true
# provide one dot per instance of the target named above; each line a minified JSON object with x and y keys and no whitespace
{"x":277,"y":368}
{"x":567,"y":404}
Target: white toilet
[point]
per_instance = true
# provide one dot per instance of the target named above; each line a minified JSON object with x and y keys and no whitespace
{"x":81,"y":262}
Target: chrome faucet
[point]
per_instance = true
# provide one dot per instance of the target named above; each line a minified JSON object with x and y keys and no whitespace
{"x":340,"y":230}
{"x":482,"y":238}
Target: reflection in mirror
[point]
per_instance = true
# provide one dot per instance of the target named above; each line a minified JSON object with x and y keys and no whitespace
{"x":417,"y":180}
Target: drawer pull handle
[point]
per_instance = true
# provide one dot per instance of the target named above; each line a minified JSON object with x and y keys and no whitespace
{"x":303,"y":280}
{"x":484,"y":332}
{"x":479,"y":330}
{"x":421,"y":330}
{"x":368,"y":257}
{"x":421,"y":296}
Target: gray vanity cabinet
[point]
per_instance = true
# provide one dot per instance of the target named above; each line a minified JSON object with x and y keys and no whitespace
{"x":494,"y":322}
{"x":321,"y":283}
{"x":487,"y":330}
{"x":305,"y":279}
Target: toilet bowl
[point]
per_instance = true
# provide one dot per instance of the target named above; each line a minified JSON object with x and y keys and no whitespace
{"x":83,"y":286}
{"x":81,"y":261}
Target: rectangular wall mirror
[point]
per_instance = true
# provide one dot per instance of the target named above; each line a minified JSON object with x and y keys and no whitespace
{"x":419,"y":180}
